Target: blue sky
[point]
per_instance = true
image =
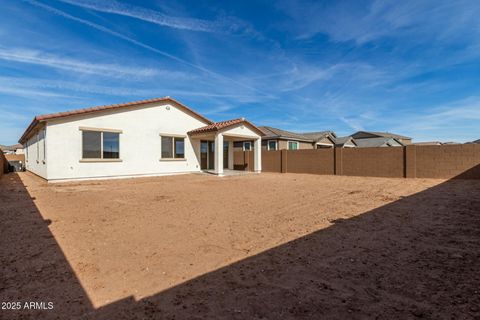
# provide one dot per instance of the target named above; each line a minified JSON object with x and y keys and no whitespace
{"x":409,"y":67}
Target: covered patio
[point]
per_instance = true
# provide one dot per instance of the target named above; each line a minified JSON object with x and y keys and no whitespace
{"x":215,"y":144}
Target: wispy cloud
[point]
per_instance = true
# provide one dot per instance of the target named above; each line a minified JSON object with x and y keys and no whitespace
{"x":141,"y":44}
{"x":64,"y":63}
{"x":363,"y":22}
{"x":156,"y":17}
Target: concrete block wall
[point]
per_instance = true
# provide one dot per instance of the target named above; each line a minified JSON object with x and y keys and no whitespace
{"x":373,"y":162}
{"x":444,"y":162}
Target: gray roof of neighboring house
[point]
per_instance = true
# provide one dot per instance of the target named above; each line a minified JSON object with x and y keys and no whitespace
{"x":382,"y":134}
{"x":283,"y":134}
{"x":376,"y":142}
{"x":319,"y":135}
{"x":341,"y":141}
{"x":476,"y":141}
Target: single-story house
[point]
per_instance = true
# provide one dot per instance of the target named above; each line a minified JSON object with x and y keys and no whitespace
{"x":142,"y":138}
{"x":15,"y":149}
{"x":345,"y":142}
{"x":278,"y":139}
{"x":321,"y":139}
{"x":377,"y":143}
{"x":360,"y":135}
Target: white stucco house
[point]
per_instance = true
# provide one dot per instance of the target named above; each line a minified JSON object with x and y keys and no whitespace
{"x":142,"y":138}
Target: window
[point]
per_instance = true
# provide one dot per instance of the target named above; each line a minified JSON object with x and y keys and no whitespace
{"x":111,"y":145}
{"x":292,"y":145}
{"x":173,"y":147}
{"x":272,"y":145}
{"x":100,"y":145}
{"x":247,"y":146}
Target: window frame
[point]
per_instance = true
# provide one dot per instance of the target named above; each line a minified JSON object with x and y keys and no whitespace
{"x":268,"y":145}
{"x":250,"y":143}
{"x":291,"y":141}
{"x":173,"y":137}
{"x":101,"y":159}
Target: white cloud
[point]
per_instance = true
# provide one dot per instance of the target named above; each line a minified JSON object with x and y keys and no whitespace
{"x":143,"y":45}
{"x":148,"y":15}
{"x":64,"y":63}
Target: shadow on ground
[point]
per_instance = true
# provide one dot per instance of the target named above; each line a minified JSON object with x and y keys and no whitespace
{"x":417,"y":257}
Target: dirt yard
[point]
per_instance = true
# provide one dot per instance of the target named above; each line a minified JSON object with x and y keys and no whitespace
{"x":269,"y":246}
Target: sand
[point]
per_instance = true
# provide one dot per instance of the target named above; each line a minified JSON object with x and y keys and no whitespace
{"x":268,"y":246}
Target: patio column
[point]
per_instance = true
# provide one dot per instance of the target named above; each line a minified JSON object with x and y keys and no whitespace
{"x":257,"y":154}
{"x":230,"y":155}
{"x":219,"y":154}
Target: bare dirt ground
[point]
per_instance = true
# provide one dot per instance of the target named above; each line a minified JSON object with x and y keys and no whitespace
{"x":269,"y":246}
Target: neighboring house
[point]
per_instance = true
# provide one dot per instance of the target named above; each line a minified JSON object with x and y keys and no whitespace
{"x":321,"y":139}
{"x":143,"y":138}
{"x":476,"y":141}
{"x":277,"y":139}
{"x":360,"y":135}
{"x":15,"y":149}
{"x":345,"y":142}
{"x":377,"y":142}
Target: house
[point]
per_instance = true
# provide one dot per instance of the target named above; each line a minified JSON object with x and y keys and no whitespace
{"x":321,"y":139}
{"x":277,"y":139}
{"x":378,"y":142}
{"x":142,"y":138}
{"x":360,"y":135}
{"x":15,"y":149}
{"x":345,"y":142}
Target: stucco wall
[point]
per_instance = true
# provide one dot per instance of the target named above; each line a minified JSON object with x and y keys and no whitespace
{"x":36,"y":152}
{"x":140,"y":142}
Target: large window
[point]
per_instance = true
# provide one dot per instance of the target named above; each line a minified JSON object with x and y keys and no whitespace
{"x":247,"y":146}
{"x":100,"y":145}
{"x":173,"y":147}
{"x":272,"y":145}
{"x":292,"y":145}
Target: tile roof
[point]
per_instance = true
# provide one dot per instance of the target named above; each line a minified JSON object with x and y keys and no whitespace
{"x":271,"y":132}
{"x":217,"y":126}
{"x":383,"y":134}
{"x":341,"y":141}
{"x":375,"y":142}
{"x":319,"y":135}
{"x":46,"y":117}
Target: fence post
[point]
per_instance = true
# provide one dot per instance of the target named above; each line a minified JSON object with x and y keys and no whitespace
{"x":284,"y":161}
{"x":338,"y":161}
{"x":410,"y":161}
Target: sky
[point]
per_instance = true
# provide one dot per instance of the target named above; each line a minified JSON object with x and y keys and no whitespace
{"x":408,"y":67}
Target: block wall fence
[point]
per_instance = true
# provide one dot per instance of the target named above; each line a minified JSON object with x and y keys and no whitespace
{"x":443,"y":162}
{"x":3,"y":164}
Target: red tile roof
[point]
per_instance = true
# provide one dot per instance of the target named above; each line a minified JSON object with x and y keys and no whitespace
{"x":46,"y":117}
{"x":217,"y":126}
